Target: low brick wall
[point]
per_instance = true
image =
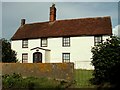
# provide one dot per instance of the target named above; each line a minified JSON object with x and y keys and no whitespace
{"x":62,"y":71}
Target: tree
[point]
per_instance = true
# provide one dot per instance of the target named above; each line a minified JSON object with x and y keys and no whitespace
{"x":0,"y":50}
{"x":8,"y":55}
{"x":106,"y":61}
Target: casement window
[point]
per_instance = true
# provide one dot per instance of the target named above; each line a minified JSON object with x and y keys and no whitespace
{"x":25,"y":58}
{"x":66,"y":42}
{"x":97,"y":40}
{"x":66,"y":57}
{"x":43,"y":42}
{"x":24,"y":43}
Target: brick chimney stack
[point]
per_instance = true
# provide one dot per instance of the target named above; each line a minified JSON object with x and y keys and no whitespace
{"x":52,"y":13}
{"x":22,"y":22}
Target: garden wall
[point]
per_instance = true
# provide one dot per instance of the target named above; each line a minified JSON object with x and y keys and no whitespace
{"x":62,"y":71}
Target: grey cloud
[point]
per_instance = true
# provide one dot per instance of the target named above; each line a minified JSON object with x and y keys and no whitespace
{"x":60,"y":0}
{"x":39,"y":12}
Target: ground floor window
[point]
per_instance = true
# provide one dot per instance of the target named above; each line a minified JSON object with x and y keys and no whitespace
{"x":66,"y":57}
{"x":25,"y":58}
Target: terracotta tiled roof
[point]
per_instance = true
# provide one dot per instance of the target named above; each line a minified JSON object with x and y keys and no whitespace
{"x":60,"y":28}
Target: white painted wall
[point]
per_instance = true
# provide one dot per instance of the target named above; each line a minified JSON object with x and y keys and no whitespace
{"x":80,"y":50}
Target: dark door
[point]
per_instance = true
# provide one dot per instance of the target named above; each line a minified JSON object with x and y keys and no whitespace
{"x":37,"y":57}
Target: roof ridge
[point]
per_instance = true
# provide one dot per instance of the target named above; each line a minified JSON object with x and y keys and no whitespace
{"x":84,"y":18}
{"x":37,"y":22}
{"x":69,"y":19}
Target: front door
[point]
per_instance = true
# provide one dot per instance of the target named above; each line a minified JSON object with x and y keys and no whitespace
{"x":37,"y":57}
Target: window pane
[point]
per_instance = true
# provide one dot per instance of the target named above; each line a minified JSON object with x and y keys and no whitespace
{"x":25,"y":58}
{"x":25,"y":43}
{"x":44,"y":42}
{"x":66,"y":41}
{"x":97,"y":39}
{"x":66,"y":57}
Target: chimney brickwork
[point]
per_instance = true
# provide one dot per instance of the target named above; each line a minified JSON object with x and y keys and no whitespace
{"x":52,"y":13}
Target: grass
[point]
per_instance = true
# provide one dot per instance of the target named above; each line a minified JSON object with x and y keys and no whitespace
{"x":16,"y":81}
{"x":82,"y":78}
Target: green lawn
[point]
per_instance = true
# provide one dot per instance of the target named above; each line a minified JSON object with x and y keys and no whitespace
{"x":82,"y":78}
{"x":16,"y":81}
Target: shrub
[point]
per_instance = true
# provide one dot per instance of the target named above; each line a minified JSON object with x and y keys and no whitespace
{"x":8,"y":55}
{"x":106,"y":60}
{"x":16,"y":81}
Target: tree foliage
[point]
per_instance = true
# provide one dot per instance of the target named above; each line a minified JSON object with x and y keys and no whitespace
{"x":8,"y":55}
{"x":106,"y":61}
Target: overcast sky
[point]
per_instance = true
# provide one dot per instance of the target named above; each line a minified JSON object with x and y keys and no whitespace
{"x":60,"y":0}
{"x":13,"y":12}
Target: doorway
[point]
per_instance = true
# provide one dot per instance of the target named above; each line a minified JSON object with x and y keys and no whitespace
{"x":37,"y":57}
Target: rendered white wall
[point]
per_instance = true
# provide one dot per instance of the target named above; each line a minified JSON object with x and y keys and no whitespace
{"x":16,"y":45}
{"x":55,"y":45}
{"x":80,"y":50}
{"x":47,"y":56}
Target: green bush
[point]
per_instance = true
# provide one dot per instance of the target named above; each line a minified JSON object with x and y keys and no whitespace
{"x":8,"y":55}
{"x":106,"y":60}
{"x":10,"y":81}
{"x":16,"y":81}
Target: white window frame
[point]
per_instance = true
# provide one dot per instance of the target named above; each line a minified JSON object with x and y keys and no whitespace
{"x":66,"y":57}
{"x":66,"y":42}
{"x":97,"y":40}
{"x":24,"y":57}
{"x":44,"y":42}
{"x":24,"y":43}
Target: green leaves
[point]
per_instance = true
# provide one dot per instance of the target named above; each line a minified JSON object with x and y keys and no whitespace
{"x":106,"y":60}
{"x":8,"y":55}
{"x":17,"y":82}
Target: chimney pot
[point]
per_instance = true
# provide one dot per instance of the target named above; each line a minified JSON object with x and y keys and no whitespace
{"x":22,"y":22}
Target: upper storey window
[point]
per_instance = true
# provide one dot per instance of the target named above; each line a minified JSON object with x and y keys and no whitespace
{"x":24,"y":43}
{"x":66,"y":42}
{"x":97,"y":40}
{"x":43,"y":42}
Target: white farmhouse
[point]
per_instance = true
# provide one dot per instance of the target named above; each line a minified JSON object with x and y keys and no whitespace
{"x":60,"y":41}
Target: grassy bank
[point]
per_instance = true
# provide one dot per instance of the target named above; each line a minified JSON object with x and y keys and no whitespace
{"x":16,"y":81}
{"x":82,"y":78}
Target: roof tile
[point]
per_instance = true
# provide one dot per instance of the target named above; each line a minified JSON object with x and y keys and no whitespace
{"x":60,"y":28}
